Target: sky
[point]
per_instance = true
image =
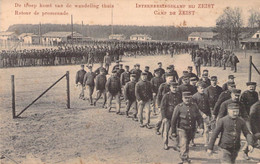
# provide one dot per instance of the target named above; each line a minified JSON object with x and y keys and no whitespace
{"x":124,"y":12}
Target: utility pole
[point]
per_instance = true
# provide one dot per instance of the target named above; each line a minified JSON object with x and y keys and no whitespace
{"x":40,"y":33}
{"x":72,"y":29}
{"x":112,"y":30}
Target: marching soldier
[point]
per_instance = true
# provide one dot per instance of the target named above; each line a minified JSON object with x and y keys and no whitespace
{"x":89,"y":83}
{"x":202,"y":102}
{"x":191,"y":74}
{"x":230,"y":128}
{"x":130,"y":98}
{"x":144,"y":95}
{"x":231,"y":78}
{"x":163,"y":89}
{"x":225,"y":95}
{"x":101,"y":80}
{"x":125,"y":76}
{"x":149,"y":74}
{"x":137,"y":72}
{"x":197,"y":63}
{"x":156,"y":82}
{"x":79,"y":81}
{"x":234,"y":60}
{"x":250,"y":96}
{"x":107,"y":61}
{"x":213,"y":92}
{"x":183,"y":124}
{"x":113,"y":89}
{"x":160,"y":69}
{"x":169,"y":101}
{"x":186,"y":87}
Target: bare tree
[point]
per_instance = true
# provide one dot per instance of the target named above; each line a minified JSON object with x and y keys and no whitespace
{"x":229,"y":26}
{"x":254,"y":19}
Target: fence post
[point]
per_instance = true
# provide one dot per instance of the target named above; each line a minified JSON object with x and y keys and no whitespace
{"x":13,"y":96}
{"x":250,"y":69}
{"x":68,"y":88}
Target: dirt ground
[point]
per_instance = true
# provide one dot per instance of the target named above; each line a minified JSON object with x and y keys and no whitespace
{"x":48,"y":132}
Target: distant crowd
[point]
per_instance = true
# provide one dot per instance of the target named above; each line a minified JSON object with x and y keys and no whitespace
{"x":92,"y":52}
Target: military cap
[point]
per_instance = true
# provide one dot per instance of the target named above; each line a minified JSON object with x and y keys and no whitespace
{"x":133,"y":75}
{"x":172,"y":66}
{"x":114,"y":71}
{"x":236,"y":91}
{"x":189,"y":66}
{"x":169,"y":67}
{"x":174,"y":84}
{"x":193,"y":79}
{"x":205,"y":70}
{"x":233,"y":106}
{"x":126,"y":66}
{"x":90,"y":67}
{"x":231,"y":76}
{"x":137,"y":65}
{"x":159,"y":63}
{"x":214,"y":78}
{"x":144,"y":73}
{"x":147,"y":67}
{"x":186,"y":94}
{"x":185,"y":72}
{"x":250,"y":83}
{"x":202,"y":84}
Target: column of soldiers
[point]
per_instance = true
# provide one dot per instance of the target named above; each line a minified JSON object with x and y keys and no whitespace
{"x":92,"y":52}
{"x":185,"y":105}
{"x":216,"y":57}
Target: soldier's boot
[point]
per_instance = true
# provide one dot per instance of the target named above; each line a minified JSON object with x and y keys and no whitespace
{"x":91,"y":100}
{"x":95,"y":103}
{"x":245,"y":155}
{"x":166,"y":147}
{"x":135,"y":118}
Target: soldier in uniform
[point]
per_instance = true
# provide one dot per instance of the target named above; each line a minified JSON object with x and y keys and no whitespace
{"x":160,"y":69}
{"x":113,"y":89}
{"x":250,"y":96}
{"x":213,"y":92}
{"x":137,"y":72}
{"x":107,"y":61}
{"x":197,"y":63}
{"x":98,"y":70}
{"x":225,"y":95}
{"x":234,"y":60}
{"x":183,"y":124}
{"x":235,"y":94}
{"x":144,"y":95}
{"x":101,"y":80}
{"x":205,"y":79}
{"x":163,"y":89}
{"x":231,"y":78}
{"x":89,"y":83}
{"x":156,"y":82}
{"x":186,"y":87}
{"x":169,"y":102}
{"x":191,"y":74}
{"x":185,"y":74}
{"x":79,"y":81}
{"x":130,"y":98}
{"x":202,"y":101}
{"x":125,"y":76}
{"x":149,"y":74}
{"x":230,"y":128}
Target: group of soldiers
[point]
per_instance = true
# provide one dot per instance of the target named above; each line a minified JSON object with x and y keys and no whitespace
{"x":92,"y":52}
{"x":186,"y":105}
{"x":214,"y":56}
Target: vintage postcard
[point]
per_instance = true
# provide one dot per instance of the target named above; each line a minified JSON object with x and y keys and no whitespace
{"x":129,"y":81}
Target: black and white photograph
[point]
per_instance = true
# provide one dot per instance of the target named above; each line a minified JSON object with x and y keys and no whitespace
{"x":140,"y":81}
